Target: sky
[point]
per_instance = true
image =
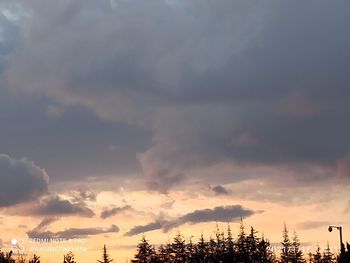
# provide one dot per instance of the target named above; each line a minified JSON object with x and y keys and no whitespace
{"x":125,"y":117}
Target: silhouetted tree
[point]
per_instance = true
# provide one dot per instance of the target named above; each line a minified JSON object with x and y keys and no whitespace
{"x":6,"y":257}
{"x":296,"y":254}
{"x":69,"y":258}
{"x":164,"y":253}
{"x":145,"y":252}
{"x":178,"y":249}
{"x":265,"y":254}
{"x":191,"y":251}
{"x":20,"y":259}
{"x":286,"y":246}
{"x":219,"y":245}
{"x":229,"y":253}
{"x":35,"y":259}
{"x":105,"y":256}
{"x":252,"y":246}
{"x":328,"y":257}
{"x":201,"y":250}
{"x":241,"y":244}
{"x":317,"y":256}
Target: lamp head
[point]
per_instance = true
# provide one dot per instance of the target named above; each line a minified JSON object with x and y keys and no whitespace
{"x":330,"y":229}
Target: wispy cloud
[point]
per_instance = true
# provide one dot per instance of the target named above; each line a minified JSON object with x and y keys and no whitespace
{"x":41,"y":232}
{"x":114,"y":211}
{"x":217,"y":214}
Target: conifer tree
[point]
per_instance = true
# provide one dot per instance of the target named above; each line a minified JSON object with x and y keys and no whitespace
{"x":286,"y":246}
{"x":69,"y":258}
{"x":265,"y":253}
{"x":317,"y":256}
{"x":190,"y":250}
{"x":35,"y":259}
{"x":328,"y":256}
{"x":145,"y":252}
{"x":241,"y":244}
{"x":220,"y":244}
{"x":201,"y":249}
{"x":211,"y":252}
{"x":296,"y":253}
{"x":252,"y":245}
{"x":105,"y":256}
{"x":164,"y":253}
{"x":178,"y":249}
{"x":229,"y":246}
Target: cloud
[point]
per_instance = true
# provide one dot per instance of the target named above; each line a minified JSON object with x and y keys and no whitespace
{"x":55,"y":205}
{"x":220,"y":190}
{"x":114,"y":211}
{"x":21,"y":181}
{"x":247,"y":83}
{"x":217,"y":214}
{"x":41,"y":232}
{"x":144,"y":228}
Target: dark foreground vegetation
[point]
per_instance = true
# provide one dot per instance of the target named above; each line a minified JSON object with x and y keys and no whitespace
{"x":247,"y":247}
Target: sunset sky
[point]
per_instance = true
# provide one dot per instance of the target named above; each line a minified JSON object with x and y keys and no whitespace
{"x":124,"y":117}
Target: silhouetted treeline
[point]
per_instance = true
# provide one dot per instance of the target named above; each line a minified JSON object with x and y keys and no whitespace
{"x":246,"y":247}
{"x":223,"y":247}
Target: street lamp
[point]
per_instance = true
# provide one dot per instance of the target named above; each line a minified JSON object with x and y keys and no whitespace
{"x":330,"y":228}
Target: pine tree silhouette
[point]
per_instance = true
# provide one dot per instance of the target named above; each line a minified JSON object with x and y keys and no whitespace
{"x":145,"y":252}
{"x":69,"y":258}
{"x":35,"y":259}
{"x":328,"y":257}
{"x":105,"y":256}
{"x":296,"y":255}
{"x":286,"y":246}
{"x":6,"y":257}
{"x":264,"y":251}
{"x":229,"y":253}
{"x":317,"y":256}
{"x":178,"y":249}
{"x":241,"y":244}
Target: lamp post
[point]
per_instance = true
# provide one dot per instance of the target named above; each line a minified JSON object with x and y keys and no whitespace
{"x":330,"y":228}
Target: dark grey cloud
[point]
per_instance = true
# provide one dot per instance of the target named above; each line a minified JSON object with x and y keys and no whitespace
{"x":75,"y":145}
{"x":41,"y":231}
{"x":55,"y":205}
{"x":21,"y":181}
{"x":220,"y":190}
{"x":218,"y":214}
{"x":114,"y":211}
{"x":144,"y":228}
{"x":307,"y":225}
{"x":241,"y":82}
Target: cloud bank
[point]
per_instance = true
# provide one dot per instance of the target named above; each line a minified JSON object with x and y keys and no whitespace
{"x":21,"y":181}
{"x":245,"y":83}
